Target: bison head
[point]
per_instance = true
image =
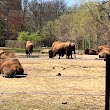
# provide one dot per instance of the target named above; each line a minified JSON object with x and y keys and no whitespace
{"x":103,"y":54}
{"x":50,"y":54}
{"x":86,"y":51}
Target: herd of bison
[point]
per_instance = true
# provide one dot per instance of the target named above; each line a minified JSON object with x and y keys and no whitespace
{"x":10,"y":65}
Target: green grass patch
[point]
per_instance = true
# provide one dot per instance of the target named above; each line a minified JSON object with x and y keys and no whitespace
{"x":19,"y":50}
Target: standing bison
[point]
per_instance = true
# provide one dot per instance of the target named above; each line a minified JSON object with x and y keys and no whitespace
{"x":61,"y":48}
{"x":29,"y":48}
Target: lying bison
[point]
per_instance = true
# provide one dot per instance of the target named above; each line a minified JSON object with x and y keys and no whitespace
{"x":9,"y":64}
{"x":2,"y":51}
{"x":100,"y":48}
{"x":29,"y":48}
{"x":7,"y":54}
{"x":61,"y":48}
{"x":91,"y":51}
{"x":104,"y":51}
{"x":11,"y":67}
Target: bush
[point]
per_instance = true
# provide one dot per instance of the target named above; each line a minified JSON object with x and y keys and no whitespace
{"x":34,"y":37}
{"x":23,"y":36}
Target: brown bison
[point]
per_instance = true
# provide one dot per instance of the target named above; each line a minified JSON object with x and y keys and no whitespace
{"x":2,"y":51}
{"x":61,"y":48}
{"x":11,"y":67}
{"x":91,"y":51}
{"x":69,"y":50}
{"x":29,"y":48}
{"x":7,"y":54}
{"x":105,"y":51}
{"x":52,"y":52}
{"x":102,"y":47}
{"x":9,"y":64}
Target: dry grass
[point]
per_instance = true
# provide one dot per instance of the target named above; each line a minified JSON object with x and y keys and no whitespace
{"x":81,"y":85}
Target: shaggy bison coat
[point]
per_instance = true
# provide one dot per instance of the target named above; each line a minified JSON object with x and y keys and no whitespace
{"x":100,"y":48}
{"x":11,"y":67}
{"x":9,"y":64}
{"x":2,"y":51}
{"x":29,"y":48}
{"x":91,"y":51}
{"x":103,"y":51}
{"x":7,"y":54}
{"x":61,"y":48}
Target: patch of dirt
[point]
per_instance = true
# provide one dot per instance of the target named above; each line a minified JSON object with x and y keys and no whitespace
{"x":81,"y":85}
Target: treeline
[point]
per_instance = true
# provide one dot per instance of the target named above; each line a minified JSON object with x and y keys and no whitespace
{"x":54,"y":20}
{"x":39,"y":19}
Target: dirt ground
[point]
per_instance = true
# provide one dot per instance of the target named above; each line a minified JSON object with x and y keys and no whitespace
{"x":81,"y":85}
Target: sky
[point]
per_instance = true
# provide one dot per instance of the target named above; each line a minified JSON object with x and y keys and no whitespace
{"x":72,"y":2}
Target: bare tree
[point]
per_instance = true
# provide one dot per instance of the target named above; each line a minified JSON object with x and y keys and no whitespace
{"x":43,"y":11}
{"x":103,"y":17}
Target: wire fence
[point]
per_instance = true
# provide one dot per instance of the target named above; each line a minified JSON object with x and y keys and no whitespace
{"x":80,"y":44}
{"x":84,"y":77}
{"x":57,"y":93}
{"x":50,"y":93}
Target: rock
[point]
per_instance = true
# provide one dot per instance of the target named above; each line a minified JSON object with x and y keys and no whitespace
{"x":59,"y":74}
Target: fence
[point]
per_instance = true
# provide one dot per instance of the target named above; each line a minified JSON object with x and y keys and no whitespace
{"x":2,"y":42}
{"x":107,"y":93}
{"x":80,"y":44}
{"x":18,"y":44}
{"x":107,"y":84}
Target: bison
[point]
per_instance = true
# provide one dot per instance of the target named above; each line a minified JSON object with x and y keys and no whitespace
{"x":2,"y":51}
{"x":104,"y":52}
{"x":11,"y":67}
{"x":61,"y":48}
{"x":102,"y":47}
{"x":29,"y":48}
{"x":7,"y":54}
{"x":90,"y":51}
{"x":9,"y":64}
{"x":69,"y":50}
{"x":61,"y":52}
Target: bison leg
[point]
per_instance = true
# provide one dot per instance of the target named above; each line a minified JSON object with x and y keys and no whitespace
{"x":29,"y":55}
{"x":59,"y":55}
{"x":54,"y":54}
{"x":74,"y":54}
{"x":67,"y":56}
{"x":71,"y":56}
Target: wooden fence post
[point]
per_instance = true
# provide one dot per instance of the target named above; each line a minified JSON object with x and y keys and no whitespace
{"x":107,"y":83}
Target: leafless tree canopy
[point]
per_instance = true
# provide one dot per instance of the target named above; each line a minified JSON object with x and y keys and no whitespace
{"x":38,"y":12}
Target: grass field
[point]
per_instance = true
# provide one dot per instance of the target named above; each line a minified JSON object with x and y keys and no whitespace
{"x":81,"y":85}
{"x":19,"y":50}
